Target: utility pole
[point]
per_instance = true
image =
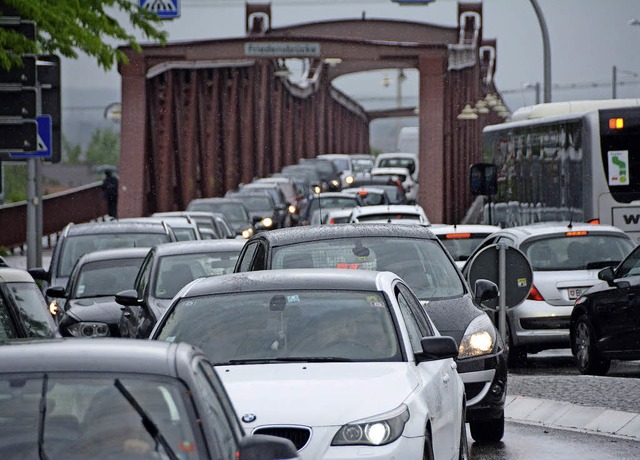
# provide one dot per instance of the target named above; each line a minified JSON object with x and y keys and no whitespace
{"x":546,"y":49}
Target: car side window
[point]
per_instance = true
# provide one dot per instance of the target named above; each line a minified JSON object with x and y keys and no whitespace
{"x":410,"y":321}
{"x":219,"y":413}
{"x":247,"y":257}
{"x":260,"y":259}
{"x":630,"y":267}
{"x":143,"y":275}
{"x":7,"y":327}
{"x":417,"y":310}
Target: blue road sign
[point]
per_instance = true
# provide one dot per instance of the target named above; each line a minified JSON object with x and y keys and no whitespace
{"x":165,"y":9}
{"x":44,"y":140}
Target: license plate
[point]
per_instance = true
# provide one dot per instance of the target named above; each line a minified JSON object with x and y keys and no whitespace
{"x":574,"y":293}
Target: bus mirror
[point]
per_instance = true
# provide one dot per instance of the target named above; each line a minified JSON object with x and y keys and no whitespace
{"x":483,"y":179}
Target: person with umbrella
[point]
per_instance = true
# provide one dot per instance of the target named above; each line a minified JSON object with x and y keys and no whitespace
{"x":110,"y":192}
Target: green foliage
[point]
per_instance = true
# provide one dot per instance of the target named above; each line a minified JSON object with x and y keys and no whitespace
{"x":71,"y":153}
{"x":15,"y":183}
{"x":104,"y":148}
{"x":66,"y":26}
{"x":375,"y":151}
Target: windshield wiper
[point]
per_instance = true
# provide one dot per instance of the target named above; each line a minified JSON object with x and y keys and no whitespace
{"x":288,"y":359}
{"x":148,"y":424}
{"x":41,"y":418}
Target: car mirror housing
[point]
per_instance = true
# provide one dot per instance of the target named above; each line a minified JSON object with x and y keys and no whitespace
{"x":39,"y":274}
{"x":439,"y":347}
{"x":262,"y":447}
{"x":128,"y":298}
{"x":57,"y":292}
{"x":485,"y":290}
{"x":607,"y":274}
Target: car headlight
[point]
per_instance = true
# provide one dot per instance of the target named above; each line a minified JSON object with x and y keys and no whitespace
{"x":292,"y":209}
{"x":89,"y":329}
{"x":335,"y":183}
{"x":267,"y":222}
{"x":349,"y":179}
{"x":373,"y":431}
{"x":53,"y":307}
{"x":317,"y":189}
{"x":478,"y":339}
{"x":247,"y":233}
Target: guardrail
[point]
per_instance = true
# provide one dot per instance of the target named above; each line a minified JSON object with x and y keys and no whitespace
{"x":81,"y":204}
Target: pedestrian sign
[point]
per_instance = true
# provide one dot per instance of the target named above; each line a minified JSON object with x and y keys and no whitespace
{"x":45,"y":135}
{"x":165,"y":9}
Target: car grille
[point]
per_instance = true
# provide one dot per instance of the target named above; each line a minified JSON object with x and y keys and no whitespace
{"x":299,"y":436}
{"x":560,"y":322}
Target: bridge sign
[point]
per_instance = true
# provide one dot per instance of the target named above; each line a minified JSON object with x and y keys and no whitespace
{"x":282,"y":49}
{"x":165,"y":9}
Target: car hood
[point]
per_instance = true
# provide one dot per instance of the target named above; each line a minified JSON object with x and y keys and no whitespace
{"x":103,"y":309}
{"x":559,"y":287}
{"x":300,"y":393}
{"x":452,"y":316}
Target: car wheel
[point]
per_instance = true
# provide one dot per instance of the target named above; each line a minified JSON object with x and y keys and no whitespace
{"x":427,"y":454}
{"x":463,"y":450}
{"x":588,"y":359}
{"x":488,"y":430}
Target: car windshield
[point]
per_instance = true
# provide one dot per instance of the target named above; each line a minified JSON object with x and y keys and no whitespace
{"x":362,"y":166}
{"x":286,"y":325}
{"x":175,"y":272}
{"x":75,"y":247}
{"x":580,"y":252}
{"x":105,"y":277}
{"x":258,"y":203}
{"x":184,"y":233}
{"x":32,"y":310}
{"x":232,"y":211}
{"x":398,"y":163}
{"x":341,"y":163}
{"x":421,"y":263}
{"x":332,"y":203}
{"x":461,"y":245}
{"x":87,"y":417}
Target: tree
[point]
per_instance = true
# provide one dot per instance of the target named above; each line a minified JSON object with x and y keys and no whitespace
{"x":67,"y":26}
{"x":104,"y":148}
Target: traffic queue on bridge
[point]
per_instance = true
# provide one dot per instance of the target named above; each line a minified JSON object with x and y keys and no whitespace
{"x":416,"y":332}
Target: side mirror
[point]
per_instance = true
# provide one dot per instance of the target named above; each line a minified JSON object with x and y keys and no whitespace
{"x":607,"y":274}
{"x":39,"y":274}
{"x":262,"y":447}
{"x":485,"y":290}
{"x":438,"y":347}
{"x":128,"y":298}
{"x":56,"y":292}
{"x":256,"y":219}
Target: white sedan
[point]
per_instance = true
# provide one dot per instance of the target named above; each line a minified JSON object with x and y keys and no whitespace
{"x":344,"y":363}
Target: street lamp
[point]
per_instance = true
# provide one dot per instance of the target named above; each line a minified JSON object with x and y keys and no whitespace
{"x":546,"y":49}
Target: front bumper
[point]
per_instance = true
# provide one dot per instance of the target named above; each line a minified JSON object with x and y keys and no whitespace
{"x":537,"y":325}
{"x":485,"y":384}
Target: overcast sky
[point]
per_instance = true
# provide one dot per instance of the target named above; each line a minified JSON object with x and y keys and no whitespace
{"x":588,"y":37}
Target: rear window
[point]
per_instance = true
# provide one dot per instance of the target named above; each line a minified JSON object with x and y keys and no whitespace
{"x":461,"y":248}
{"x":421,"y":263}
{"x":402,"y":177}
{"x":398,"y":163}
{"x":581,"y":252}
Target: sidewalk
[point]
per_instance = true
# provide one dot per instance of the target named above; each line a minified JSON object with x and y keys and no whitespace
{"x":568,"y":416}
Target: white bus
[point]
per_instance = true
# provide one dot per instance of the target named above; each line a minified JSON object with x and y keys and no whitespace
{"x":576,"y":161}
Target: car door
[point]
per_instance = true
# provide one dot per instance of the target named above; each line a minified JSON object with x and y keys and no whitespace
{"x":437,"y":378}
{"x":135,"y":319}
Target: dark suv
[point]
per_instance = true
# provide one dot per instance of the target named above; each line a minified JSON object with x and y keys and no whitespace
{"x":420,"y":259}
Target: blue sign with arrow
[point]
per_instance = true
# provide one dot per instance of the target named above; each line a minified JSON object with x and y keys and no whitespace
{"x":44,"y":140}
{"x":165,"y":9}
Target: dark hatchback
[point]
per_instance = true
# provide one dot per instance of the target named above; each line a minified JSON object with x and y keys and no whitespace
{"x":420,"y":259}
{"x":119,"y":399}
{"x":605,"y":320}
{"x":87,"y":304}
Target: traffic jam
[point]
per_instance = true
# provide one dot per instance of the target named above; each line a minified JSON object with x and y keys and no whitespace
{"x":315,"y":313}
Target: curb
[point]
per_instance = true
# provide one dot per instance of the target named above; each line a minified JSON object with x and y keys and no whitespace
{"x":568,"y":416}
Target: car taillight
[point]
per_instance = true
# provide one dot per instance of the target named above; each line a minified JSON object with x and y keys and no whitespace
{"x":534,"y":294}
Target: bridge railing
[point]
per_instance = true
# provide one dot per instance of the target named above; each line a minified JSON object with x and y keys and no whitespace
{"x":81,"y":204}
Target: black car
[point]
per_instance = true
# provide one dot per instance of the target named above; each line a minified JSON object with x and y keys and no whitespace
{"x":106,"y":399}
{"x":167,"y":269}
{"x":420,"y":259}
{"x":606,"y":319}
{"x":233,"y":209}
{"x":263,"y":211}
{"x":328,"y":172}
{"x":77,"y":240}
{"x":23,"y":310}
{"x":278,"y":196}
{"x":87,"y":304}
{"x":324,"y":202}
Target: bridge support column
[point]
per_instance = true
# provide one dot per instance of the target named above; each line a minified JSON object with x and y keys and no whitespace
{"x":433,"y":71}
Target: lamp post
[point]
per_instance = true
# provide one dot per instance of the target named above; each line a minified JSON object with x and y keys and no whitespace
{"x":546,"y":49}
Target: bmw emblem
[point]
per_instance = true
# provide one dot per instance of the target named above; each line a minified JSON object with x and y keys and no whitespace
{"x":248,"y":418}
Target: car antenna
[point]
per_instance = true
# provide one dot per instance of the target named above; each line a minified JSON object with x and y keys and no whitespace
{"x":570,"y":226}
{"x":319,"y":207}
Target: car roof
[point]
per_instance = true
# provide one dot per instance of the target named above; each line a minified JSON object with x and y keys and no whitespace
{"x":441,"y":229}
{"x":15,"y":275}
{"x":112,"y":254}
{"x":286,"y":279}
{"x":388,"y":209}
{"x":390,"y":170}
{"x":524,"y":232}
{"x":194,"y":247}
{"x":92,"y":228}
{"x":92,"y":355}
{"x":398,"y":155}
{"x":332,"y":195}
{"x":293,"y":235}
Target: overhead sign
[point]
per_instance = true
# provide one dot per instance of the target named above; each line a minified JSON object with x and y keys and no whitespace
{"x":18,"y":101}
{"x":18,"y":136}
{"x":165,"y":9}
{"x":25,"y":75}
{"x":282,"y":49}
{"x":43,"y":141}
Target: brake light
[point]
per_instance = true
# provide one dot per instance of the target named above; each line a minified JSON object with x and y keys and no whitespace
{"x":332,"y":221}
{"x":457,"y":236}
{"x":577,"y":233}
{"x":616,"y":123}
{"x":534,"y":294}
{"x":345,"y":266}
{"x":594,"y":222}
